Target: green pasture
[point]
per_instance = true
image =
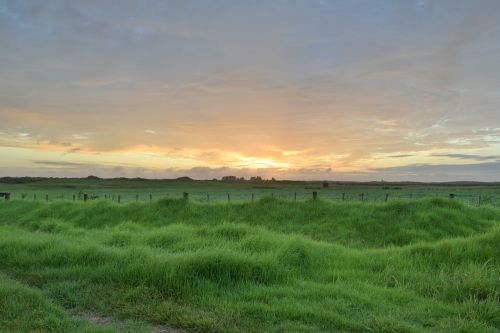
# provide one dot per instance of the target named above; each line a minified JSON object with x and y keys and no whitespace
{"x":128,"y":190}
{"x":173,"y":265}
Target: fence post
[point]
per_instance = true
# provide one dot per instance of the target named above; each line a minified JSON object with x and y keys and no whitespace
{"x":452,"y":195}
{"x":386,"y":197}
{"x":34,"y":196}
{"x":362,"y":197}
{"x":315,"y":195}
{"x":185,"y":195}
{"x":150,"y":197}
{"x":228,"y":197}
{"x":252,"y":196}
{"x":73,"y":197}
{"x":119,"y":199}
{"x":85,"y":197}
{"x":343,"y":196}
{"x":479,"y":201}
{"x":47,"y":197}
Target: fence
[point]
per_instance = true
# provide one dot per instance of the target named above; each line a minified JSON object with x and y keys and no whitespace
{"x":473,"y":199}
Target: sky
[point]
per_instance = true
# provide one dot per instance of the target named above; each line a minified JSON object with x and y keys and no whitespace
{"x":291,"y":89}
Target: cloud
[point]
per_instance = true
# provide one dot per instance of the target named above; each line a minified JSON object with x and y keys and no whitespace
{"x":400,"y":156}
{"x":487,"y":171}
{"x":72,"y":169}
{"x":343,"y":83}
{"x":73,"y":150}
{"x":63,"y":164}
{"x":469,"y":156}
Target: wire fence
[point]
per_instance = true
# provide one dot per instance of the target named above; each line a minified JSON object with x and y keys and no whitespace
{"x":220,"y":196}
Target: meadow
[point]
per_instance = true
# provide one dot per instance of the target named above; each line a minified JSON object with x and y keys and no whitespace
{"x":268,"y":265}
{"x":209,"y":191}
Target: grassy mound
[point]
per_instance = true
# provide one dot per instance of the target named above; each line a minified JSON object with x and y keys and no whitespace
{"x":289,"y":267}
{"x":358,"y":225}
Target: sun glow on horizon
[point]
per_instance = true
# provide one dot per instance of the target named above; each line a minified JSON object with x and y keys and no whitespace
{"x":206,"y":90}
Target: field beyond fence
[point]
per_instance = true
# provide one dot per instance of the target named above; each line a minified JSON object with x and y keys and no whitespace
{"x":130,"y":190}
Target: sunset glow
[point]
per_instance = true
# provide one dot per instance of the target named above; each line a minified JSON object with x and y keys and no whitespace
{"x":347,"y":90}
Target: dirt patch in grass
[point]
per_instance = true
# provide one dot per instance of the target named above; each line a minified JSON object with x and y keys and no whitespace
{"x":105,"y":320}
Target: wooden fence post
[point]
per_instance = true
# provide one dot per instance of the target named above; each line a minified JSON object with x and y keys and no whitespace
{"x":34,"y":196}
{"x":85,"y":197}
{"x":185,"y":195}
{"x":386,"y":197}
{"x":295,"y":196}
{"x":119,"y":199}
{"x":47,"y":197}
{"x":343,"y":196}
{"x":228,"y":197}
{"x":315,"y":195}
{"x":479,"y":201}
{"x":452,"y":195}
{"x":362,"y":197}
{"x":252,"y":196}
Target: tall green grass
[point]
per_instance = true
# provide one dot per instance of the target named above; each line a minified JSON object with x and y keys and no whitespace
{"x":268,"y":266}
{"x":354,"y":224}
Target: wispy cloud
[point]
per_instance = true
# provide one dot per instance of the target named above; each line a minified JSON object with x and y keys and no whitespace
{"x":64,"y":164}
{"x":418,"y":172}
{"x":469,"y":157}
{"x":73,"y":150}
{"x":400,"y":156}
{"x":487,"y":171}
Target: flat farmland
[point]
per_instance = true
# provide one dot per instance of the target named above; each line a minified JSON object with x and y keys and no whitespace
{"x":130,"y":190}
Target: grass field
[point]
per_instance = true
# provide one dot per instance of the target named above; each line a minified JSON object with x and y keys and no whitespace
{"x":217,"y":191}
{"x":428,"y":265}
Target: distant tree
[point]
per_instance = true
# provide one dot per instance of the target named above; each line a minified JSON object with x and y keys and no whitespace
{"x":229,"y":178}
{"x":326,"y":184}
{"x":184,"y":178}
{"x":256,"y":179}
{"x":19,"y":180}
